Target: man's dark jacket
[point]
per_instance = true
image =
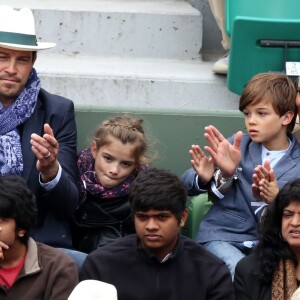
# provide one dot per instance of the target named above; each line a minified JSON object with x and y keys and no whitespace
{"x":56,"y":206}
{"x":191,"y":272}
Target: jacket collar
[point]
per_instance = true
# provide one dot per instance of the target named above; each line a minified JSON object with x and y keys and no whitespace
{"x":31,"y":264}
{"x":149,"y":258}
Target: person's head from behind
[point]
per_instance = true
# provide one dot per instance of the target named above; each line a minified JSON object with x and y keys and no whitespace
{"x":119,"y":148}
{"x":280,"y":227}
{"x":268,"y":102}
{"x":18,"y":210}
{"x":158,"y":202}
{"x":18,"y":46}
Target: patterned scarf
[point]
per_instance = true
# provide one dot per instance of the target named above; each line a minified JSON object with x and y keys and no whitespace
{"x":11,"y":160}
{"x":89,"y":181}
{"x":284,"y":281}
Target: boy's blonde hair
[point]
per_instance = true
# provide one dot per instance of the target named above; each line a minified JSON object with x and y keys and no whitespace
{"x":126,"y":129}
{"x":277,"y":88}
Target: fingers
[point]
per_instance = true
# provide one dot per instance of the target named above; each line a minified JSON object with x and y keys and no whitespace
{"x":204,"y":168}
{"x":261,"y":172}
{"x":196,"y":153}
{"x":255,"y":191}
{"x":40,"y":147}
{"x":213,"y":144}
{"x":255,"y":179}
{"x":268,"y":190}
{"x":211,"y":152}
{"x":3,"y":247}
{"x":45,"y":147}
{"x":213,"y":137}
{"x":214,"y":132}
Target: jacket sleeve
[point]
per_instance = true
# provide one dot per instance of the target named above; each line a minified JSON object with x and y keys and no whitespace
{"x":221,"y":285}
{"x":90,"y":268}
{"x":65,"y":280}
{"x":240,"y":286}
{"x":188,"y":179}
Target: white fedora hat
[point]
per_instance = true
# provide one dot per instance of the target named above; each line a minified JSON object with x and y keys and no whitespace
{"x":94,"y":290}
{"x":17,"y":30}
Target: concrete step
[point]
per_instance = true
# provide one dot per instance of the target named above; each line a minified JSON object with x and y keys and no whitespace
{"x":152,"y":29}
{"x":145,"y":84}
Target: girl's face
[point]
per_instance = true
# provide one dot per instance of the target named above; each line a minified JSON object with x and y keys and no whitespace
{"x":114,"y":162}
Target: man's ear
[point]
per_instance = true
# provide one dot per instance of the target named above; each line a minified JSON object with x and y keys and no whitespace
{"x":21,"y":232}
{"x":288,"y":117}
{"x":184,"y":217}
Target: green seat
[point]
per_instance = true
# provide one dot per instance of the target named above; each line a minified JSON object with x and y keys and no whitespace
{"x":273,"y":9}
{"x":198,"y":207}
{"x":249,"y":22}
{"x":248,"y":57}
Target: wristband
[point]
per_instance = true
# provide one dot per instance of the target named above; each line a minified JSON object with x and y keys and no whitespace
{"x":223,"y":180}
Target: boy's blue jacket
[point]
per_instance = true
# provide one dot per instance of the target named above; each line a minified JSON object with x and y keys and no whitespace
{"x":235,"y":217}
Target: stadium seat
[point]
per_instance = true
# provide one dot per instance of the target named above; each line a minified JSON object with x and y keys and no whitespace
{"x":249,"y":57}
{"x":198,"y":207}
{"x":264,"y":36}
{"x":273,"y":9}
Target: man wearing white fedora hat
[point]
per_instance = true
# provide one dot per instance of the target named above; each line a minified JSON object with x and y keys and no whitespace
{"x":157,"y":262}
{"x":38,"y":134}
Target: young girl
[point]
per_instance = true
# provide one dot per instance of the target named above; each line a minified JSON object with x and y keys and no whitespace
{"x":107,"y":171}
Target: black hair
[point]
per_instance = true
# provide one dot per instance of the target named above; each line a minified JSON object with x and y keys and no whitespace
{"x":160,"y":190}
{"x":17,"y":202}
{"x":272,"y":248}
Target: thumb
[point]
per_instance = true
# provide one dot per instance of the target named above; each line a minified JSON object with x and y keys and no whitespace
{"x":272,"y":175}
{"x":267,"y":165}
{"x":237,"y":140}
{"x":48,"y":129}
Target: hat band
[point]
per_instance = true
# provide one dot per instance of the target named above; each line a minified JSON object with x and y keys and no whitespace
{"x":17,"y":38}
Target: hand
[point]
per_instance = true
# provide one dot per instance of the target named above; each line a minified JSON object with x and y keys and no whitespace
{"x":262,"y":172}
{"x":265,"y":185}
{"x":46,"y":150}
{"x":2,"y":246}
{"x":226,"y":156}
{"x":203,"y":165}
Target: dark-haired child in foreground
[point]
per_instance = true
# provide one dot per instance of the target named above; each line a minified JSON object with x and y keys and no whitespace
{"x":157,"y":262}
